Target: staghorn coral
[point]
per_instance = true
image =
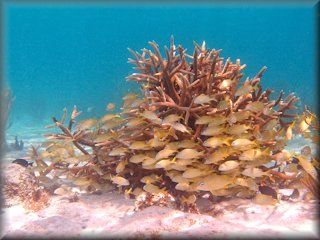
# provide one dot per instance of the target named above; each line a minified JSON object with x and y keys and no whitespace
{"x":8,"y":99}
{"x":5,"y":107}
{"x":196,"y":130}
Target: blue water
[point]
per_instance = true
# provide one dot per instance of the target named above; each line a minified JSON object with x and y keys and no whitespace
{"x":58,"y":56}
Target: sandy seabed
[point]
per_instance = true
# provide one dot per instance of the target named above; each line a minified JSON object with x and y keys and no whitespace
{"x":112,"y":215}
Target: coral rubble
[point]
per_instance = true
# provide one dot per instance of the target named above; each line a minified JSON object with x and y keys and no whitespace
{"x":196,"y":130}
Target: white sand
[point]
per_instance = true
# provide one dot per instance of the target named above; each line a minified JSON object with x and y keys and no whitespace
{"x":110,"y":214}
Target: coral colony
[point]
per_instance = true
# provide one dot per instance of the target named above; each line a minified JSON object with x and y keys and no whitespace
{"x":7,"y":100}
{"x":196,"y":130}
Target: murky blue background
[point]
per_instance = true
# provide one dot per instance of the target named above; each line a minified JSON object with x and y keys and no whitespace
{"x":58,"y":56}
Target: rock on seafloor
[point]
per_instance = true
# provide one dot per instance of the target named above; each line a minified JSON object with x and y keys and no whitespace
{"x":15,"y":180}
